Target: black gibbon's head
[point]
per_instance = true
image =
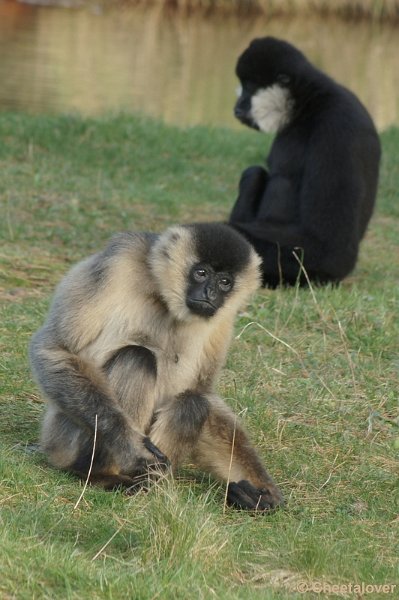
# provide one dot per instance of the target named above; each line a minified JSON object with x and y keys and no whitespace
{"x":203,"y":267}
{"x":267,"y":70}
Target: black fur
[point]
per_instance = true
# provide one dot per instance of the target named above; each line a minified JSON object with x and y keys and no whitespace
{"x":219,"y":245}
{"x":191,"y":412}
{"x":318,"y":193}
{"x":245,"y":496}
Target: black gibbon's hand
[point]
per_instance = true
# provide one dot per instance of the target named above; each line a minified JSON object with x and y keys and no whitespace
{"x":245,"y":496}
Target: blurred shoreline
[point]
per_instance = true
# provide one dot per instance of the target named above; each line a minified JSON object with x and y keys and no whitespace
{"x":377,"y":10}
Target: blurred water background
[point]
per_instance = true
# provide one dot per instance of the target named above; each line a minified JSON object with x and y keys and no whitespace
{"x":176,"y":65}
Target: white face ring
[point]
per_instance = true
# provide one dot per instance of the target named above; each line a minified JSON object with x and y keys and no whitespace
{"x":271,"y":108}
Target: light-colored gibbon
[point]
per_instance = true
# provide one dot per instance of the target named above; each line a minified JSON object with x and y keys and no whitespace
{"x":129,"y":355}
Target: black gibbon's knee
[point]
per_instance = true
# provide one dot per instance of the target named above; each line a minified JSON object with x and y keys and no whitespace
{"x":250,"y":191}
{"x":190,"y":413}
{"x":138,"y":357}
{"x":253,"y":181}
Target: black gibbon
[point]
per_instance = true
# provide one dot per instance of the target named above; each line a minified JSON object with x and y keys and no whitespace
{"x":129,"y":355}
{"x":317,"y":195}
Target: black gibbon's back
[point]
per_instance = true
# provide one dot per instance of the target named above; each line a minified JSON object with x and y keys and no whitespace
{"x":131,"y":350}
{"x":317,"y":195}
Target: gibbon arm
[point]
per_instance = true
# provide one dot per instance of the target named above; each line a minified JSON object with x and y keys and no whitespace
{"x":202,"y":428}
{"x":84,"y":398}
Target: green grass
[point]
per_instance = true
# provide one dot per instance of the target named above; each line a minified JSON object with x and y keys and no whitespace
{"x":314,"y":379}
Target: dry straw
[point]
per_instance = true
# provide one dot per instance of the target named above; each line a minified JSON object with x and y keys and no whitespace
{"x":348,"y":9}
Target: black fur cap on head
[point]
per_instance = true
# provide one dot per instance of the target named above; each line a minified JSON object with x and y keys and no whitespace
{"x":220,"y":246}
{"x":268,"y":57}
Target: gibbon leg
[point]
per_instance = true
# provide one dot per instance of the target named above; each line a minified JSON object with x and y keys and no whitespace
{"x":251,"y":189}
{"x":279,"y":202}
{"x":224,"y":449}
{"x":69,"y":447}
{"x":81,"y":396}
{"x":203,"y":428}
{"x":178,"y":425}
{"x":131,"y":373}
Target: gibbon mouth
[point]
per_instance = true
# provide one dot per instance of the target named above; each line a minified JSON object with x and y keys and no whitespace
{"x":203,"y":308}
{"x":247,"y":121}
{"x":250,"y":123}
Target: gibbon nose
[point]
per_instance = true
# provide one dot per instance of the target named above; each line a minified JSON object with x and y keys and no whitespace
{"x":211,"y":293}
{"x":239,"y":113}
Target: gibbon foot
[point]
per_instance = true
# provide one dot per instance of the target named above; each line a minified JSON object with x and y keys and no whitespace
{"x":244,"y":495}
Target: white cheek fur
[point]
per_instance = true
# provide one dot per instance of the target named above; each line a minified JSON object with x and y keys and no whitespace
{"x":271,"y":108}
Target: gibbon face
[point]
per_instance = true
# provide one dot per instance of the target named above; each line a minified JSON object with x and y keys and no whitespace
{"x":266,"y":70}
{"x":202,"y":267}
{"x":207,"y":289}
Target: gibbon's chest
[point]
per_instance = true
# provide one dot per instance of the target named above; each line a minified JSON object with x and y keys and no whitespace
{"x":180,"y":355}
{"x":179,"y":349}
{"x":287,"y":154}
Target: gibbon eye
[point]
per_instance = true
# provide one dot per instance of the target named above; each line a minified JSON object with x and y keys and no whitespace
{"x":200,"y":275}
{"x":283,"y":78}
{"x":225,"y":283}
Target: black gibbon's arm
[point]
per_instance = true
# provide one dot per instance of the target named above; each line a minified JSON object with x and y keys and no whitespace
{"x":130,"y":354}
{"x":264,"y":199}
{"x":320,"y":187}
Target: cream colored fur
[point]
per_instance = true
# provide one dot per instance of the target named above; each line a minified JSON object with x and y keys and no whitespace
{"x":134,"y":294}
{"x":271,"y":108}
